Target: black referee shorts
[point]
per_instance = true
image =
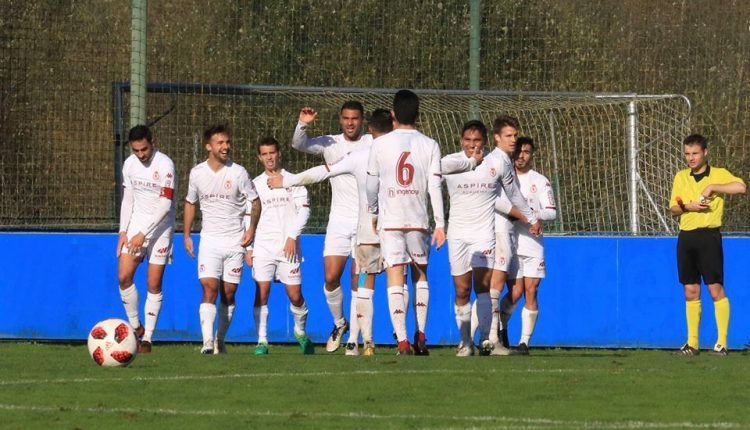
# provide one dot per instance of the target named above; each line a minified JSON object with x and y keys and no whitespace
{"x":700,"y":254}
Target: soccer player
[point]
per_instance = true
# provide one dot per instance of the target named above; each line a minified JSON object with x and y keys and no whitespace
{"x":403,"y":167}
{"x":276,"y":253}
{"x":368,"y":257}
{"x":147,"y":218}
{"x":697,"y":198}
{"x":505,"y":131}
{"x":529,"y":258}
{"x":224,"y":191}
{"x":341,"y":231}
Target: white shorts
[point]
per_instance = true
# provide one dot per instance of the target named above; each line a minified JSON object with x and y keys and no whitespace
{"x":505,"y":251}
{"x":530,"y":267}
{"x":341,"y":237}
{"x":369,"y":259}
{"x":220,"y":263}
{"x":403,"y":247}
{"x":269,"y":270}
{"x":158,"y":248}
{"x":464,"y":255}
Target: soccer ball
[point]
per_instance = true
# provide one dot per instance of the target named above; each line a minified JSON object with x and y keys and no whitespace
{"x":112,"y":342}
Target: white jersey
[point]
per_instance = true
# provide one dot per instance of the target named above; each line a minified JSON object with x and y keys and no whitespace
{"x":284,"y":214}
{"x":333,"y":148}
{"x":472,"y":194}
{"x":537,"y":190}
{"x":223,"y":197}
{"x":355,"y":163}
{"x":509,"y":193}
{"x":407,"y":164}
{"x":149,"y":183}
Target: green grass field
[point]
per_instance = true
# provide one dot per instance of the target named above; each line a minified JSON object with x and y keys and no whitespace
{"x":53,"y":386}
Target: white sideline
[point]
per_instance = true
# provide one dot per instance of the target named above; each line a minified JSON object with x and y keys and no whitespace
{"x":508,"y":421}
{"x":290,"y":374}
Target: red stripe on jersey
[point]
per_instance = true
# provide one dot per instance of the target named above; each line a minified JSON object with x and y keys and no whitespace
{"x":167,"y":193}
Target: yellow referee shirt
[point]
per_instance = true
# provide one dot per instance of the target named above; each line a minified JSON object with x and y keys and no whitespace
{"x":689,"y":188}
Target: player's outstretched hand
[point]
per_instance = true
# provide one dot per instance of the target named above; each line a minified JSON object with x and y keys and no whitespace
{"x":307,"y":115}
{"x":438,"y":237}
{"x":290,"y":250}
{"x":478,"y":154}
{"x":275,"y":180}
{"x":536,"y":228}
{"x":121,"y":241}
{"x":188,"y":241}
{"x":136,"y":243}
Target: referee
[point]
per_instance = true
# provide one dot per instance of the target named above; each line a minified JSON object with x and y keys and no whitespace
{"x":697,"y":198}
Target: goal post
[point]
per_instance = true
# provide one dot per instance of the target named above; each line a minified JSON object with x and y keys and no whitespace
{"x":611,"y":157}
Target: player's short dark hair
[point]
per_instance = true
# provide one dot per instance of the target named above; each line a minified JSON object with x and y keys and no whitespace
{"x":696,"y":139}
{"x":353,"y":105}
{"x":520,"y":142}
{"x":268,"y":141}
{"x":140,"y":132}
{"x":406,"y":107}
{"x":477,"y":125}
{"x":211,"y":130}
{"x":381,"y":121}
{"x":503,"y":121}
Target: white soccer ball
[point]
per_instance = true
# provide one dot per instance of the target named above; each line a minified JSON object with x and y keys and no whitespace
{"x":112,"y":342}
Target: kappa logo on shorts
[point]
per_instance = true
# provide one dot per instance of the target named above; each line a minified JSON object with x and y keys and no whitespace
{"x":487,"y":252}
{"x":228,"y":184}
{"x":294,"y":271}
{"x":236,"y":270}
{"x":156,"y":175}
{"x":202,"y":268}
{"x":162,"y":250}
{"x":418,"y":254}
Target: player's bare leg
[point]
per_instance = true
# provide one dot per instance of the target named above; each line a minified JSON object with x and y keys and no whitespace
{"x":225,"y":313}
{"x":127,"y":265}
{"x":260,"y":315}
{"x":529,"y":313}
{"x":462,"y":309}
{"x":299,"y":312}
{"x":207,"y":313}
{"x":421,"y":305}
{"x":333,"y":268}
{"x":395,"y":281}
{"x":152,"y":308}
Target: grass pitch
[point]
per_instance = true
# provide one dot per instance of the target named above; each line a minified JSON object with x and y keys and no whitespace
{"x":51,"y":386}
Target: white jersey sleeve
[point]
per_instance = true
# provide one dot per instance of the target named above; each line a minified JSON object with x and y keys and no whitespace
{"x":301,"y":210}
{"x":434,"y":188}
{"x":457,"y":163}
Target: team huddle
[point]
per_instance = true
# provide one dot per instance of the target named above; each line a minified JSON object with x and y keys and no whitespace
{"x":381,"y":184}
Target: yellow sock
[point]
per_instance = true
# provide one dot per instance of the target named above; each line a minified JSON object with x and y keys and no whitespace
{"x":693,"y":313}
{"x":721,"y":311}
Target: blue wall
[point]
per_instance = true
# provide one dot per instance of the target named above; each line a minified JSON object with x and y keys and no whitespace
{"x":600,"y":291}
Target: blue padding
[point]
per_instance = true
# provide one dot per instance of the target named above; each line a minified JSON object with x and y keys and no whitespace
{"x":599,"y":292}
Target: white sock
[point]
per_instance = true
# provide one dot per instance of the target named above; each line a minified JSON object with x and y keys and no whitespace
{"x":335,"y":300}
{"x":484,"y":315}
{"x":129,"y":298}
{"x":474,"y":322}
{"x":463,"y":320}
{"x":396,"y":307}
{"x":528,"y":322}
{"x":506,"y":311}
{"x":225,"y":320}
{"x":207,"y":312}
{"x":260,"y":315}
{"x":353,"y":321}
{"x":300,"y":318}
{"x":421,"y":303}
{"x":151,"y":309}
{"x":406,"y":297}
{"x":494,"y":296}
{"x":365,"y":312}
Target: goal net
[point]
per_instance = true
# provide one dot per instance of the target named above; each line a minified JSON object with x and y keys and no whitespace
{"x":610,"y":157}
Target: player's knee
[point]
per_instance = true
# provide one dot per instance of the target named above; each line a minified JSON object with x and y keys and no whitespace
{"x":125,"y":280}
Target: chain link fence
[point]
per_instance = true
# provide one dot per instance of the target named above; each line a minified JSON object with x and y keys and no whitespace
{"x":59,"y":60}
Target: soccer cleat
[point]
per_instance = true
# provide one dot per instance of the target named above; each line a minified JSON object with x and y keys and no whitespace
{"x":495,"y":348}
{"x":503,"y":335}
{"x":687,"y":351}
{"x":261,"y":348}
{"x":486,"y":347}
{"x":144,"y":347}
{"x":404,"y":348}
{"x":720,"y":350}
{"x":334,"y":340}
{"x":140,"y":331}
{"x":368,"y":349}
{"x":464,"y":350}
{"x":420,"y":344}
{"x":219,"y":347}
{"x":208,"y":348}
{"x":352,"y":349}
{"x":522,"y":349}
{"x":305,"y":344}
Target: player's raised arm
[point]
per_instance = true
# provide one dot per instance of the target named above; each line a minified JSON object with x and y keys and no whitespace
{"x":452,"y":164}
{"x":300,"y":140}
